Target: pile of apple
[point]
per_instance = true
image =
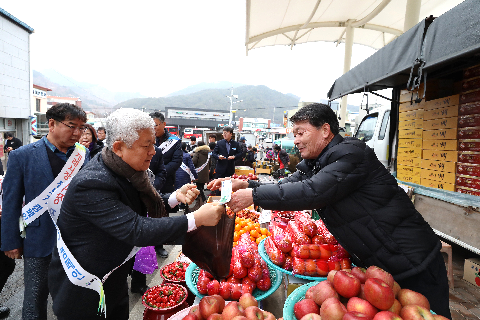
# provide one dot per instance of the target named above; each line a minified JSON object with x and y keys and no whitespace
{"x":361,"y":294}
{"x":247,"y":272}
{"x":305,"y":246}
{"x":214,"y":308}
{"x":250,"y":176}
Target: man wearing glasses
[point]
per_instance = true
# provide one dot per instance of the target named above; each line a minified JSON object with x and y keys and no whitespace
{"x":30,"y":171}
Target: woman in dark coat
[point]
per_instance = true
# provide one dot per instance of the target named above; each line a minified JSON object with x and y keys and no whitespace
{"x":186,"y":173}
{"x":201,"y":158}
{"x":104,"y":215}
{"x":89,"y":140}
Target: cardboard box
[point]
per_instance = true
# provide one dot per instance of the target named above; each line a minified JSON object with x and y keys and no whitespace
{"x":410,"y":143}
{"x":410,"y":133}
{"x":444,"y":166}
{"x":469,"y":157}
{"x":469,"y":191}
{"x":468,"y":169}
{"x":468,"y":182}
{"x":469,"y":145}
{"x":407,"y":106}
{"x":408,"y":171}
{"x":411,"y":115}
{"x":469,"y":108}
{"x":440,"y":144}
{"x":437,"y":185}
{"x":471,"y":120}
{"x":407,"y":161}
{"x":442,"y":123}
{"x":471,"y":271}
{"x":410,"y":152}
{"x":440,"y":176}
{"x":440,"y":155}
{"x":442,"y":102}
{"x":407,"y":178}
{"x":411,"y":124}
{"x":469,"y":133}
{"x":447,"y":134}
{"x":264,"y":171}
{"x":445,"y":112}
{"x":244,"y":170}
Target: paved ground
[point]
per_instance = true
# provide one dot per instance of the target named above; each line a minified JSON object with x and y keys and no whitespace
{"x":464,"y":297}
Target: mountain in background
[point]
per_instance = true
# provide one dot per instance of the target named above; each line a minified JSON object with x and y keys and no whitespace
{"x":258,"y":102}
{"x":204,"y":86}
{"x":94,"y":98}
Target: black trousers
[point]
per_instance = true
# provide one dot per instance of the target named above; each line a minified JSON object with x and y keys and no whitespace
{"x":7,"y":266}
{"x":433,"y":284}
{"x":35,"y":275}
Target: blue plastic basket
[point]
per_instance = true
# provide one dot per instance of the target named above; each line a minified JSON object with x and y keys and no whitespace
{"x":264,"y":255}
{"x":297,"y":295}
{"x":191,"y":277}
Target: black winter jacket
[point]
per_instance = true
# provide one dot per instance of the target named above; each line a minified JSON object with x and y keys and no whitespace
{"x":361,"y":204}
{"x":172,"y":160}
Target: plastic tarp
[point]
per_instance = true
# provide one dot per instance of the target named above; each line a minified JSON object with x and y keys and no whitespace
{"x":388,"y":67}
{"x":454,"y":34}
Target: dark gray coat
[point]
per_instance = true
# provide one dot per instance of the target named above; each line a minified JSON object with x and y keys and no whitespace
{"x":101,"y":221}
{"x":362,"y":206}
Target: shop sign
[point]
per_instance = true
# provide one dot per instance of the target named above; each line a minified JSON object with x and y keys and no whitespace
{"x":39,"y":93}
{"x":10,"y":124}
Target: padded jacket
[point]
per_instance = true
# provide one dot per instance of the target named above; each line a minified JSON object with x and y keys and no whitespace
{"x":361,"y":205}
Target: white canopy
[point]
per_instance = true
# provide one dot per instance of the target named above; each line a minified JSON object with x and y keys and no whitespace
{"x":376,"y":22}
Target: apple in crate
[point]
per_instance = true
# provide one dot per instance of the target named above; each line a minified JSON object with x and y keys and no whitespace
{"x":215,"y":316}
{"x":387,"y":315}
{"x":304,"y":307}
{"x":332,"y":309}
{"x":379,"y":293}
{"x":407,"y":297}
{"x":190,"y":316}
{"x":232,"y":310}
{"x":210,"y":305}
{"x":363,"y":306}
{"x":254,"y":313}
{"x":321,"y":292}
{"x":360,"y":273}
{"x":195,"y":310}
{"x":311,"y":316}
{"x":414,"y":312}
{"x":354,"y":315}
{"x":379,"y":273}
{"x":346,"y":284}
{"x":248,"y":300}
{"x":396,"y":307}
{"x":268,"y":315}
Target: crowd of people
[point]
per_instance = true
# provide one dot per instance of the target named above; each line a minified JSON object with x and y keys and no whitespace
{"x":134,"y":173}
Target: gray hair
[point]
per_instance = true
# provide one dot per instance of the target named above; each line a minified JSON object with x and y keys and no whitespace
{"x":123,"y":125}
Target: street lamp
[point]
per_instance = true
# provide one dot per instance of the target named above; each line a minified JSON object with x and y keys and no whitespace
{"x":231,"y":97}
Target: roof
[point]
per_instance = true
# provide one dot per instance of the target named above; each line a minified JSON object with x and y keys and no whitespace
{"x":291,"y":22}
{"x":16,"y":21}
{"x":454,"y":36}
{"x":41,"y":88}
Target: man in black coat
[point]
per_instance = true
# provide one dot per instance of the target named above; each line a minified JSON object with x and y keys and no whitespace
{"x":12,"y":142}
{"x":360,"y":203}
{"x":226,"y":152}
{"x":170,"y":145}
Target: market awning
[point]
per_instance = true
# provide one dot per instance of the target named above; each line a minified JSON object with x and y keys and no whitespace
{"x":388,"y":67}
{"x":453,"y":35}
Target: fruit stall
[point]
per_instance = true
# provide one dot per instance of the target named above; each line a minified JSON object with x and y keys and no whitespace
{"x":288,"y":258}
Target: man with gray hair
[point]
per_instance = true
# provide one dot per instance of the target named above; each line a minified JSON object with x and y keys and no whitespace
{"x":104,"y":215}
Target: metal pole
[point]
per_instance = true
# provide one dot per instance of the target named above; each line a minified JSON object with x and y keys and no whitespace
{"x":412,"y":14}
{"x":346,"y":67}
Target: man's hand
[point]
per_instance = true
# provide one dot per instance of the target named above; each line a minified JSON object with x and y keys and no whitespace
{"x":221,"y":157}
{"x":9,"y":149}
{"x":209,"y":214}
{"x":15,"y":253}
{"x":237,"y":184}
{"x":241,"y":199}
{"x":187,"y":193}
{"x":231,"y":157}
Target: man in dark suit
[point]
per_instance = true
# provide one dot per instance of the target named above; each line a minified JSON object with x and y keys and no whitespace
{"x":226,"y":152}
{"x":30,"y":171}
{"x":12,"y":143}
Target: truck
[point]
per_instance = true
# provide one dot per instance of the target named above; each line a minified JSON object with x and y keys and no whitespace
{"x":429,"y":135}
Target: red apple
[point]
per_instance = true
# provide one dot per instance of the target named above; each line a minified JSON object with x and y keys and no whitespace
{"x":190,"y":316}
{"x":387,"y":315}
{"x":321,"y":292}
{"x":361,"y":294}
{"x":396,"y":307}
{"x":209,"y":305}
{"x":378,"y":293}
{"x":360,"y":273}
{"x":268,"y":316}
{"x":353,"y":315}
{"x":332,"y":309}
{"x":248,"y":300}
{"x":253,"y":313}
{"x":311,"y":316}
{"x":240,"y":318}
{"x":232,"y":310}
{"x":304,"y":307}
{"x":396,"y":288}
{"x":346,"y":284}
{"x":331,"y":275}
{"x":236,"y":291}
{"x":414,"y":312}
{"x":215,"y":316}
{"x":379,"y":273}
{"x":221,"y":301}
{"x":363,"y":306}
{"x":195,"y":310}
{"x":407,"y":297}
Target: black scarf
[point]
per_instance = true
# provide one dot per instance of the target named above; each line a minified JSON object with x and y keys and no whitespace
{"x":139,"y":180}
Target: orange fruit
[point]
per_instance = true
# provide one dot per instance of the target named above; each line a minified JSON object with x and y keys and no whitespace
{"x":254,"y":233}
{"x":236,"y":236}
{"x":237,"y":227}
{"x":252,"y":238}
{"x":263,"y":231}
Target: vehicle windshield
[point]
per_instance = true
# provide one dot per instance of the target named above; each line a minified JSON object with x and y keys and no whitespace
{"x":197,"y":131}
{"x":367,"y":128}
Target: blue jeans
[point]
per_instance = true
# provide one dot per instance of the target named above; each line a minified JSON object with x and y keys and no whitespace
{"x":35,"y":276}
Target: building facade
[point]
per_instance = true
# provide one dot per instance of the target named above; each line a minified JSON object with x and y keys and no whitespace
{"x":39,"y":108}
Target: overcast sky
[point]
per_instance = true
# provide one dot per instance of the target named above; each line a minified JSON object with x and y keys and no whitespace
{"x":156,"y":47}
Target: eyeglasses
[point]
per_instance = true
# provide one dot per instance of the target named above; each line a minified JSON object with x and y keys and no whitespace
{"x":73,"y":128}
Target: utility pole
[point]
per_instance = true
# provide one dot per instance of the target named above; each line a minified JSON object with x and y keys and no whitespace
{"x":231,"y":97}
